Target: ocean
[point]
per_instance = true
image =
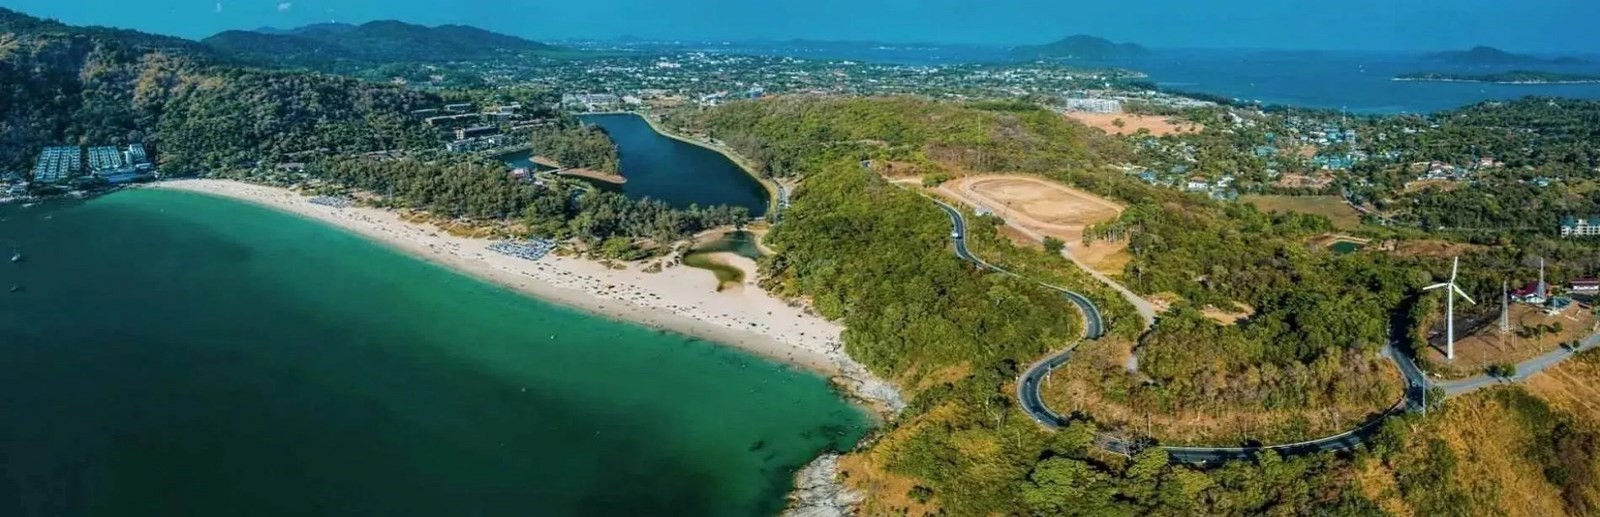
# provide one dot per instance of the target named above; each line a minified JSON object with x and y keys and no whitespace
{"x":174,"y":354}
{"x":1359,"y":82}
{"x":1356,"y":81}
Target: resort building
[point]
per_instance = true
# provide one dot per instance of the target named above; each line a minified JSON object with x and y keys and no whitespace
{"x":475,"y":132}
{"x":482,"y":143}
{"x":1580,"y":226}
{"x":58,"y":164}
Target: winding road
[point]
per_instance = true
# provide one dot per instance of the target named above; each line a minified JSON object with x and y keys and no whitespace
{"x":1414,"y":399}
{"x":1032,"y":378}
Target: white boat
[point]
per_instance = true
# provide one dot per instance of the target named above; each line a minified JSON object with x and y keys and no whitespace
{"x":16,"y":257}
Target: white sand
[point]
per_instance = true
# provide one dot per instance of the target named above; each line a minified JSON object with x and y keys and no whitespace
{"x":680,"y":299}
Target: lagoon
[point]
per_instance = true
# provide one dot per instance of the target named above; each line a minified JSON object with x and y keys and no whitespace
{"x":676,"y":172}
{"x":176,"y":354}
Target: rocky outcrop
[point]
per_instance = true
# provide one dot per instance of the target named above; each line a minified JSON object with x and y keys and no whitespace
{"x":819,"y":492}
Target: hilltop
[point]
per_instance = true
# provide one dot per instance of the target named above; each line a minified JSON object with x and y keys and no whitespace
{"x":386,"y":41}
{"x":1483,"y":55}
{"x":66,"y":84}
{"x":1081,"y":47}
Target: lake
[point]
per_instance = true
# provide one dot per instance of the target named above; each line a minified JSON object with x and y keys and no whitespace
{"x":174,"y":354}
{"x":676,"y":172}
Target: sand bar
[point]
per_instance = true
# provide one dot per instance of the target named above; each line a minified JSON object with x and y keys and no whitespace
{"x":680,"y":299}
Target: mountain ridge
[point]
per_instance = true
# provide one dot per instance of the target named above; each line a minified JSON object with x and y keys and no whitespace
{"x":381,"y":41}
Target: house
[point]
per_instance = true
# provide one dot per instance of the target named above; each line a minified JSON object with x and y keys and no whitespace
{"x":1535,"y":293}
{"x":1197,"y":184}
{"x":1585,"y":286}
{"x":1580,"y":226}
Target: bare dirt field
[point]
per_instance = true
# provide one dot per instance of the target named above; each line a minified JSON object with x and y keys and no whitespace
{"x":1487,"y":346}
{"x":1039,"y":202}
{"x":1047,"y":208}
{"x":1132,"y":123}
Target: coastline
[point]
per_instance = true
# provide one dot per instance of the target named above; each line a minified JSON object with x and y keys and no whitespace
{"x":1479,"y":81}
{"x":678,"y":299}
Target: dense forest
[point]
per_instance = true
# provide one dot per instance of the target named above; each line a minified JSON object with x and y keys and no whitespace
{"x":67,"y":85}
{"x":579,"y":145}
{"x":482,"y":190}
{"x":1317,"y":319}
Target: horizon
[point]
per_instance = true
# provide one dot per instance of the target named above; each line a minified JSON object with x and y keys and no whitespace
{"x":1555,"y":29}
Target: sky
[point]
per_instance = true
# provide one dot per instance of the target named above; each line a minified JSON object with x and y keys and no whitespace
{"x":1521,"y":25}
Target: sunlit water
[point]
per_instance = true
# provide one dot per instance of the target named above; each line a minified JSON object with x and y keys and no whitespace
{"x":174,"y":354}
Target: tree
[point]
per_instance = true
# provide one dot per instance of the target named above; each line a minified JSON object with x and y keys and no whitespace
{"x":1063,"y":486}
{"x":1054,"y":245}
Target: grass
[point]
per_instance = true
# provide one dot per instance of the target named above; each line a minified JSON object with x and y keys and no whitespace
{"x":1332,"y":207}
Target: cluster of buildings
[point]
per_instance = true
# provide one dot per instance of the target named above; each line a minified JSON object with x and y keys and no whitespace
{"x":112,"y":164}
{"x":477,"y":138}
{"x":1091,"y":105}
{"x":474,"y":130}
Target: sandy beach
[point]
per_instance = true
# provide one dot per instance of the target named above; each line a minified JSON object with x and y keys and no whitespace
{"x":680,"y":299}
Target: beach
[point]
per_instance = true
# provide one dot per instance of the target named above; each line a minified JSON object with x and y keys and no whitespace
{"x":678,"y":299}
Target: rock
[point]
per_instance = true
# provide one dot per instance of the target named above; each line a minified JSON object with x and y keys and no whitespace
{"x":819,"y":492}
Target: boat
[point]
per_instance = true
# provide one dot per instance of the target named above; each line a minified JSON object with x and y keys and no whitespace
{"x":16,"y":257}
{"x":16,"y":288}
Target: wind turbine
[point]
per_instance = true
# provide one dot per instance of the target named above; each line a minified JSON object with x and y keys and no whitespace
{"x":1451,"y":290}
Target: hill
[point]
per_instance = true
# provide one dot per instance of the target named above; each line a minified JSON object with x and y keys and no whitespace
{"x":64,"y":84}
{"x":334,"y":44}
{"x":1482,"y":55}
{"x":1081,"y":47}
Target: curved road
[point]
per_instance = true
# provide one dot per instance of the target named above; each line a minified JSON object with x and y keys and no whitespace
{"x":1033,"y":403}
{"x":1415,"y":399}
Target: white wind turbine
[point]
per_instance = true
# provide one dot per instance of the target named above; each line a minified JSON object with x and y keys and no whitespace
{"x":1451,"y":290}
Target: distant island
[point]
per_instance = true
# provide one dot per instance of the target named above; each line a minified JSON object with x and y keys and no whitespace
{"x":1482,"y":55}
{"x":1512,"y":77}
{"x":1081,"y":47}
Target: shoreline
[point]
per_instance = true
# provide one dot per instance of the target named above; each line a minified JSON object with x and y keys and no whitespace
{"x":679,"y":299}
{"x":1508,"y":83}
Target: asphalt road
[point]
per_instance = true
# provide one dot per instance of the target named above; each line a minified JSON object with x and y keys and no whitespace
{"x":1525,"y":370}
{"x":1036,"y":375}
{"x":1417,"y":383}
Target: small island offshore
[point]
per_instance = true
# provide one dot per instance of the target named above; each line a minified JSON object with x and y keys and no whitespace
{"x":1512,"y":77}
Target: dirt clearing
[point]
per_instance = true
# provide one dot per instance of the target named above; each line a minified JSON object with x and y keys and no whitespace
{"x":1132,"y":123}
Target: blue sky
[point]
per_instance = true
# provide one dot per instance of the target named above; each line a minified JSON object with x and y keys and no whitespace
{"x":1526,"y":25}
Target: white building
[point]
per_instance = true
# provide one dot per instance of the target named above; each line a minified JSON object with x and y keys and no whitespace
{"x":1580,"y":226}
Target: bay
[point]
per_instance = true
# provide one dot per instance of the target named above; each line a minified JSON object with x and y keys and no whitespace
{"x":176,"y":354}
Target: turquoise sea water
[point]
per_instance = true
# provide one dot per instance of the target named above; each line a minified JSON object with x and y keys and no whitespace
{"x":174,"y":354}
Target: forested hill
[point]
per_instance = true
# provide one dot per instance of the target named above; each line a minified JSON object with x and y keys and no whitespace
{"x":72,"y":85}
{"x":332,"y":44}
{"x":1482,"y":55}
{"x":1082,"y":47}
